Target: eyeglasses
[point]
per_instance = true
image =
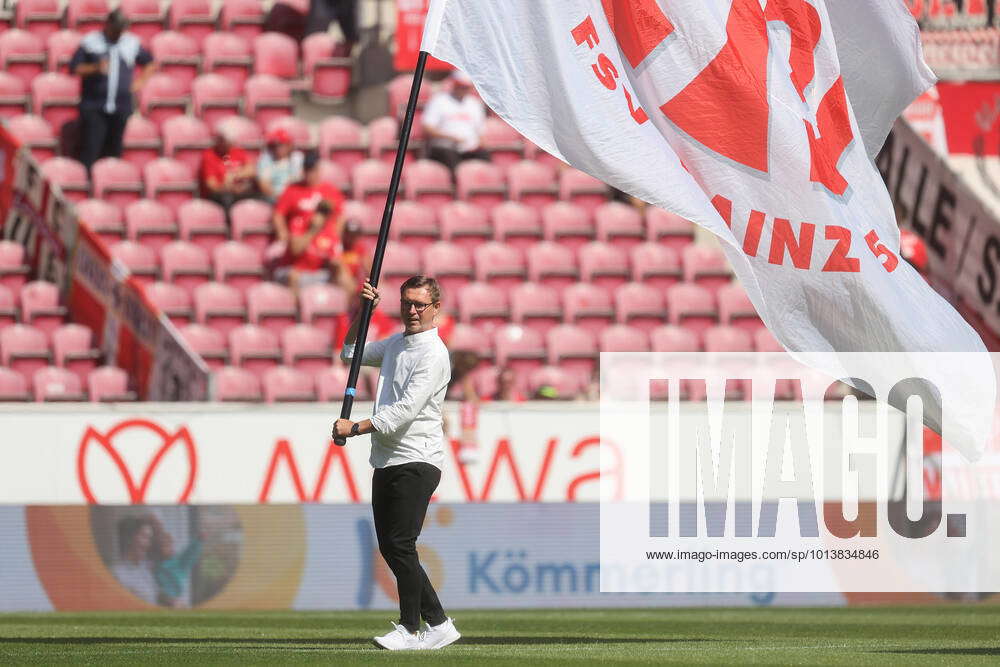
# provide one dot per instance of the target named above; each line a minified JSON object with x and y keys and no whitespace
{"x":419,"y":307}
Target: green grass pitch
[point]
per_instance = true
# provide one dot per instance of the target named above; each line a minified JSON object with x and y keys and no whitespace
{"x":944,"y":635}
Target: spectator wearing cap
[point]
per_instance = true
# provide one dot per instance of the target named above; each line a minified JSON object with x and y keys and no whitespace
{"x":227,"y":172}
{"x":453,"y":122}
{"x":106,"y":60}
{"x":279,"y":165}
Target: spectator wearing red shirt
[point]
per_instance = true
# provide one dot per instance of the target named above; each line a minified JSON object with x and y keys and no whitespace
{"x":227,"y":172}
{"x":307,"y":218}
{"x":355,"y":261}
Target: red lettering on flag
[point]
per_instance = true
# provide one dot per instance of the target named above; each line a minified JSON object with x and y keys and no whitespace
{"x":639,"y":27}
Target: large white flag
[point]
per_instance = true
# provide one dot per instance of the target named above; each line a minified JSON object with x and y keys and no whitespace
{"x":756,"y":119}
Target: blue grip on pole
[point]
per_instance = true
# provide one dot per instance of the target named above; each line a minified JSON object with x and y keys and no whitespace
{"x":350,"y":391}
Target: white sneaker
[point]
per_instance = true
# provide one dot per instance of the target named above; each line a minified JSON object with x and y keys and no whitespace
{"x":439,"y":636}
{"x":400,"y":639}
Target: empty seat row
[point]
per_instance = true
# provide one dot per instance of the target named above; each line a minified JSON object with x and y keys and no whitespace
{"x":26,"y":349}
{"x":283,"y":384}
{"x":53,"y":383}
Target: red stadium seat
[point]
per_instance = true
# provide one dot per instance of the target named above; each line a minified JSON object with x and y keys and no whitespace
{"x":194,"y":18}
{"x":219,"y":306}
{"x":532,"y":183}
{"x":641,"y":306}
{"x":670,"y":338}
{"x":764,"y":341}
{"x":623,"y":338}
{"x":370,"y":182}
{"x":13,"y":386}
{"x":727,"y":339}
{"x":706,"y":266}
{"x":86,"y":15}
{"x":73,"y":347}
{"x":400,"y":262}
{"x":267,"y":98}
{"x":692,"y":306}
{"x":466,"y":337}
{"x":58,"y":384}
{"x":342,"y":140}
{"x":61,"y":46}
{"x":209,"y":343}
{"x":228,"y":55}
{"x":116,"y":181}
{"x":481,"y":183}
{"x":251,"y":223}
{"x":276,"y":55}
{"x":109,"y":383}
{"x":588,"y":306}
{"x":140,"y":260}
{"x":185,"y":264}
{"x":40,"y":306}
{"x":13,"y":269}
{"x":145,"y":18}
{"x":429,"y":182}
{"x":582,"y":189}
{"x":244,"y":133}
{"x":500,"y":265}
{"x":35,"y":134}
{"x":306,"y":348}
{"x":238,"y":265}
{"x":272,"y":306}
{"x":331,"y":383}
{"x":284,"y":384}
{"x":519,"y":348}
{"x":568,"y":225}
{"x":535,"y":306}
{"x":234,"y":384}
{"x":69,"y":175}
{"x":203,"y":223}
{"x":367,"y":216}
{"x":572,"y":349}
{"x":39,"y":17}
{"x":324,"y":63}
{"x":383,"y":141}
{"x":451,"y":265}
{"x":464,"y":224}
{"x":398,"y":91}
{"x":22,"y":54}
{"x":483,"y":305}
{"x":655,"y":265}
{"x":173,"y":300}
{"x":163,"y":97}
{"x":13,"y":96}
{"x":141,"y":142}
{"x":414,"y":224}
{"x":215,"y":97}
{"x":185,"y":139}
{"x":254,"y":348}
{"x":567,"y":385}
{"x":668,"y":228}
{"x":620,"y":225}
{"x":243,"y":17}
{"x":150,"y":223}
{"x":177,"y":55}
{"x":300,"y":131}
{"x":552,"y":264}
{"x":504,"y":144}
{"x":25,"y":349}
{"x":331,"y":172}
{"x":736,"y":309}
{"x":169,"y":182}
{"x":516,"y":225}
{"x":8,"y":307}
{"x":604,"y":265}
{"x":323,"y":306}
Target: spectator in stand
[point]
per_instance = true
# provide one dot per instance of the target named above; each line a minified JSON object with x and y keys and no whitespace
{"x":227,"y":172}
{"x":106,"y":60}
{"x":279,"y":165}
{"x":463,"y":362}
{"x":355,"y":261}
{"x":323,"y":12}
{"x":507,"y":386}
{"x":453,"y":121}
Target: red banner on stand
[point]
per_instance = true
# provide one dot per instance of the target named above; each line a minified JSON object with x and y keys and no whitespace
{"x":409,"y":31}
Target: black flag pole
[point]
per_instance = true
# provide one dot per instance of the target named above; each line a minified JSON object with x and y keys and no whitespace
{"x":383,"y":239}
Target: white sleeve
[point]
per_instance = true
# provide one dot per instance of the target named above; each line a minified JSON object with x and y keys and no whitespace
{"x":374,"y":352}
{"x":433,"y":115}
{"x":426,"y":380}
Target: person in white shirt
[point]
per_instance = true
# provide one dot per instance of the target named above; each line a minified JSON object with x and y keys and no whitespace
{"x":407,"y":434}
{"x":453,"y":122}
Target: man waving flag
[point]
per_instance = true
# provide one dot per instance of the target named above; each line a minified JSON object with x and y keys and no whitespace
{"x":756,"y":119}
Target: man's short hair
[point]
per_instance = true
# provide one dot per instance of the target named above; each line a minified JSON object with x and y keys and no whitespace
{"x":116,"y":19}
{"x":416,"y":282}
{"x":310,"y":160}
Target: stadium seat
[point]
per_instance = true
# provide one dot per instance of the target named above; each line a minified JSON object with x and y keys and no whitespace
{"x":57,"y":384}
{"x":69,"y":175}
{"x":655,"y":265}
{"x":692,"y":306}
{"x":86,"y":15}
{"x":670,"y":338}
{"x":566,"y":385}
{"x":483,"y":305}
{"x":481,"y":183}
{"x":238,"y":265}
{"x":516,"y":225}
{"x":60,"y":47}
{"x":451,"y":265}
{"x":234,"y":384}
{"x":573,"y":349}
{"x":173,"y":300}
{"x":331,"y":172}
{"x":140,"y":260}
{"x":764,"y":341}
{"x":604,"y":265}
{"x":641,"y":306}
{"x":116,"y":181}
{"x":185,"y":264}
{"x":254,"y":348}
{"x":22,"y":54}
{"x":203,"y":222}
{"x":464,"y":224}
{"x":250,"y":221}
{"x":736,"y":309}
{"x":323,"y":306}
{"x":219,"y":306}
{"x":370,"y":182}
{"x":194,"y":18}
{"x":552,"y":264}
{"x":164,"y":97}
{"x":13,"y":96}
{"x":283,"y":384}
{"x":706,"y":265}
{"x":306,"y":348}
{"x":35,"y":134}
{"x":276,"y":55}
{"x":39,"y":17}
{"x":331,"y":383}
{"x":243,"y":17}
{"x":536,"y":307}
{"x":272,"y":306}
{"x":341,"y":139}
{"x":504,"y":144}
{"x":383,"y":141}
{"x":500,"y":265}
{"x":299,"y":130}
{"x":13,"y":386}
{"x":150,"y":223}
{"x":429,"y":182}
{"x":568,"y":225}
{"x":532,"y":183}
{"x":367,"y":216}
{"x":73,"y":349}
{"x":325,"y":65}
{"x":25,"y":349}
{"x":400,"y":262}
{"x":466,"y":337}
{"x":588,"y":306}
{"x":668,"y":228}
{"x":145,"y":18}
{"x":727,"y":339}
{"x":580,"y":188}
{"x":414,"y":224}
{"x":209,"y":343}
{"x":8,"y":307}
{"x":623,"y":338}
{"x":519,"y":348}
{"x":141,"y":142}
{"x":109,"y":384}
{"x":169,"y":182}
{"x":620,"y":225}
{"x":215,"y":97}
{"x":40,"y":306}
{"x":398,"y":94}
{"x":177,"y":55}
{"x":244,"y":133}
{"x":228,"y":55}
{"x":185,"y":138}
{"x":13,"y":269}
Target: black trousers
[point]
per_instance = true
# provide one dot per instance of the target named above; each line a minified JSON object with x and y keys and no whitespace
{"x":101,"y":135}
{"x":400,"y":495}
{"x":323,"y":12}
{"x":451,"y":157}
